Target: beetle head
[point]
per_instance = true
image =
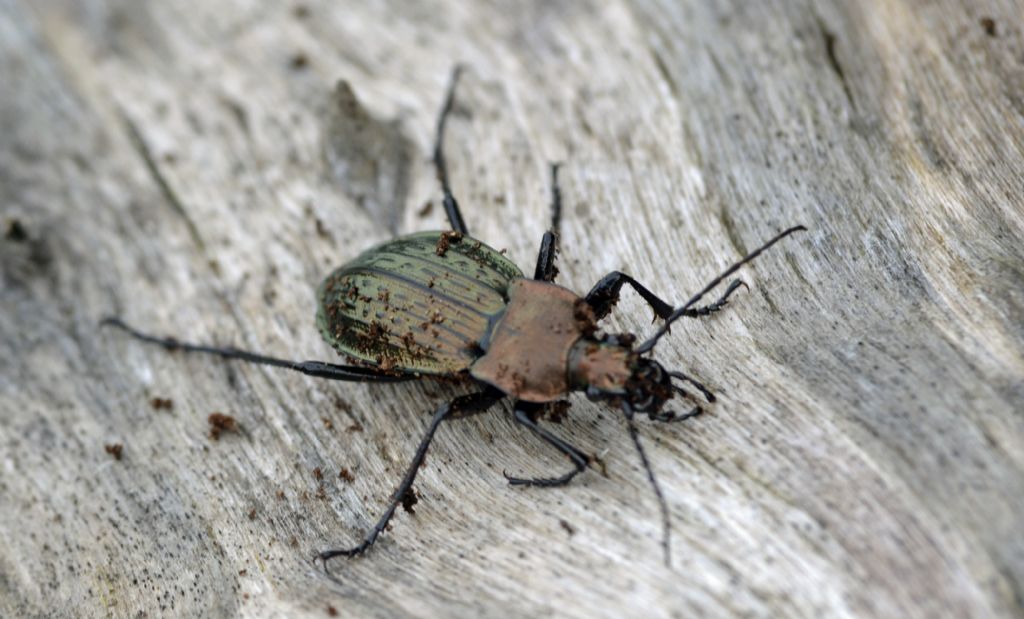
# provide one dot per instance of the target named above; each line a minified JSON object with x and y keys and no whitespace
{"x":608,"y":369}
{"x":648,"y":387}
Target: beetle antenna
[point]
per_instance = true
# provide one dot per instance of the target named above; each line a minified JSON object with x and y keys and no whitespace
{"x":665,"y":524}
{"x":320,"y":369}
{"x":451,"y":206}
{"x":556,"y":198}
{"x":679,"y":313}
{"x":710,"y":397}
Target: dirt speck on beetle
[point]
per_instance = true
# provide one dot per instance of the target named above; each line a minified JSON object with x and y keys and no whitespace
{"x":445,"y":241}
{"x":114,"y":449}
{"x":409,"y":500}
{"x":556,"y":412}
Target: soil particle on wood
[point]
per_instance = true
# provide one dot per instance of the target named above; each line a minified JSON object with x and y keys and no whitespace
{"x":114,"y":449}
{"x":221,"y":424}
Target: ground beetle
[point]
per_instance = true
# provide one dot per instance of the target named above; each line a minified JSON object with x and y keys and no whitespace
{"x":443,"y":305}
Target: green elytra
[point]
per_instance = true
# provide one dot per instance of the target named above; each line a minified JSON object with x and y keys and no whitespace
{"x":418,"y":304}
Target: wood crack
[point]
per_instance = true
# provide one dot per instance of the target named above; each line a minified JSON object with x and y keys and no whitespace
{"x":142,"y":149}
{"x":830,"y":39}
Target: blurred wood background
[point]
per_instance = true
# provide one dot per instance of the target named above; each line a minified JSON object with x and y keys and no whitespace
{"x":197,"y":168}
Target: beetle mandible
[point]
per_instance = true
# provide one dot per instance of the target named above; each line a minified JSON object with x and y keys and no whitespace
{"x":444,"y":305}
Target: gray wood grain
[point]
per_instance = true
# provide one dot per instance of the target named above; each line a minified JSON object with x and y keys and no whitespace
{"x":196,"y":168}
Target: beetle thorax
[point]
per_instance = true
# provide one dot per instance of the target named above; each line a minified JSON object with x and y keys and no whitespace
{"x":600,"y":367}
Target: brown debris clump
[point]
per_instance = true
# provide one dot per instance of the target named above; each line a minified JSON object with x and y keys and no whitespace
{"x":586,"y":322}
{"x":115,"y":449}
{"x":221,"y":423}
{"x":376,"y":331}
{"x":161,"y":404}
{"x":409,"y":499}
{"x":556,"y":412}
{"x":989,"y":26}
{"x":445,"y":241}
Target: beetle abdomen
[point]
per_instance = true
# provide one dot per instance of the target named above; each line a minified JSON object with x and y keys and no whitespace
{"x":419,"y":303}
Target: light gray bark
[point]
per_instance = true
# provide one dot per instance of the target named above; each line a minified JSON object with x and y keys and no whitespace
{"x":196,"y":168}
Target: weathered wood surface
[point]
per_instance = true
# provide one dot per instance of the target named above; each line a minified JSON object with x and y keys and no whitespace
{"x":193,"y":167}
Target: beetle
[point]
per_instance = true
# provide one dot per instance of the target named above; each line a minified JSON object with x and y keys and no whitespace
{"x":443,"y":305}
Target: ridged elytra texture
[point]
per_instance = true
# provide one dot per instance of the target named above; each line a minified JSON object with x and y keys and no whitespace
{"x":402,"y":306}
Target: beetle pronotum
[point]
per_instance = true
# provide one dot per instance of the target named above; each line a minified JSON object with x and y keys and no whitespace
{"x":442,"y":304}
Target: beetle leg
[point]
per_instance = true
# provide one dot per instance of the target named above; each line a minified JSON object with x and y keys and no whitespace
{"x":462,"y":405}
{"x":546,"y":270}
{"x":580,"y":460}
{"x":719,"y":304}
{"x":605,"y":294}
{"x":710,"y":397}
{"x":672,"y":416}
{"x":451,"y":207}
{"x":320,"y":369}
